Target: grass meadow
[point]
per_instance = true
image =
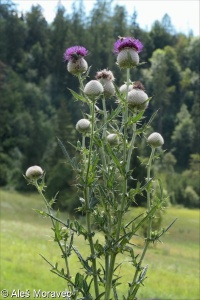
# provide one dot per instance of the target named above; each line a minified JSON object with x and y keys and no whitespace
{"x":173,"y":265}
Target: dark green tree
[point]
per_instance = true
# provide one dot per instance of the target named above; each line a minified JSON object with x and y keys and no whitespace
{"x":13,"y":33}
{"x":182,"y":137}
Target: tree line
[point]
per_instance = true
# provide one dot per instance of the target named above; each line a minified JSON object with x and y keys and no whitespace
{"x":37,"y":107}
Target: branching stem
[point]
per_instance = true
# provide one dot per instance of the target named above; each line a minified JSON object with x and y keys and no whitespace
{"x":54,"y":227}
{"x":134,"y":286}
{"x":87,"y":202}
{"x":113,"y":255}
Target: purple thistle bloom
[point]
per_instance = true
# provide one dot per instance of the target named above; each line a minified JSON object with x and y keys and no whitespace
{"x":73,"y":53}
{"x":127,"y":42}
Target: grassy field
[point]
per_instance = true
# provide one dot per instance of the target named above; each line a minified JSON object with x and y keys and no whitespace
{"x":173,"y":265}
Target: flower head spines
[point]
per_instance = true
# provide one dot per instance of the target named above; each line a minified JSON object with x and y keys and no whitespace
{"x":127,"y":42}
{"x":74,"y":53}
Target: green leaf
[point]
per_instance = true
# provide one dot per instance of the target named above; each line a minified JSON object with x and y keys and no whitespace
{"x":149,"y":214}
{"x":115,"y":159}
{"x":136,"y":118}
{"x":112,"y":116}
{"x":79,"y":281}
{"x":101,"y":295}
{"x":80,"y":230}
{"x":78,"y":97}
{"x":152,"y":117}
{"x":83,"y":262}
{"x":41,"y":212}
{"x":166,"y":229}
{"x":65,"y":153}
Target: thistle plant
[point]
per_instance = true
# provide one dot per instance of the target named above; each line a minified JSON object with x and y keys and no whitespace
{"x":104,"y":180}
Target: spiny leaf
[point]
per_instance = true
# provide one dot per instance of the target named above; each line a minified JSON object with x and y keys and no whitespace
{"x":152,"y":117}
{"x":82,"y":261}
{"x":166,"y":229}
{"x":77,"y":96}
{"x":65,"y":153}
{"x":115,"y":159}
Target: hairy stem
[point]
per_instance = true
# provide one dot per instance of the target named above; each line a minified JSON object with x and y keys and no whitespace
{"x":134,"y":287}
{"x":87,"y":202}
{"x":113,"y":255}
{"x":131,"y":147}
{"x":54,"y":227}
{"x":125,"y":185}
{"x":105,"y":117}
{"x":148,"y":192}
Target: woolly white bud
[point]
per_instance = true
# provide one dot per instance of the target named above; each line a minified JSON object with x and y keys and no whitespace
{"x":34,"y":172}
{"x":123,"y":88}
{"x":83,"y":126}
{"x":108,"y":87}
{"x":137,"y":99}
{"x":155,"y":140}
{"x":113,"y":139}
{"x":93,"y":89}
{"x":127,"y":58}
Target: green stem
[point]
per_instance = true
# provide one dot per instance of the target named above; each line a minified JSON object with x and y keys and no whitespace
{"x":105,"y":117}
{"x":131,"y":147}
{"x":91,"y":139}
{"x":88,"y":211}
{"x":125,"y":185}
{"x":54,"y":227}
{"x":148,"y":192}
{"x":109,"y":276}
{"x":113,"y":255}
{"x":67,"y":263}
{"x":81,"y":82}
{"x":134,"y":281}
{"x":83,"y":141}
{"x":148,"y":239}
{"x":84,"y":154}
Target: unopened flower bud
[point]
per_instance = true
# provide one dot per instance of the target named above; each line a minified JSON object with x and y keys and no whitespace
{"x":34,"y":172}
{"x":83,"y":126}
{"x":155,"y":140}
{"x":113,"y":139}
{"x":123,"y":88}
{"x":109,"y":88}
{"x":93,"y":89}
{"x":137,"y":98}
{"x":64,"y":233}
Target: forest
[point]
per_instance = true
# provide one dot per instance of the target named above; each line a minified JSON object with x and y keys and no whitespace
{"x":37,"y":107}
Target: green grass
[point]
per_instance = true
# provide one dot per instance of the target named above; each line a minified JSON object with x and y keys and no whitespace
{"x":173,"y":266}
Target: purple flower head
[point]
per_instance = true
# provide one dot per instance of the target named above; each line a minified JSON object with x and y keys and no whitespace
{"x":127,"y":42}
{"x":73,"y":53}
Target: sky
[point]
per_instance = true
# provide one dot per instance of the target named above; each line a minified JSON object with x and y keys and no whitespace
{"x":185,"y":15}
